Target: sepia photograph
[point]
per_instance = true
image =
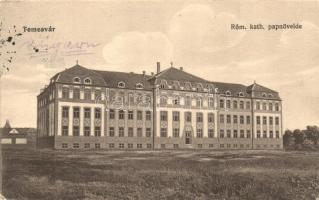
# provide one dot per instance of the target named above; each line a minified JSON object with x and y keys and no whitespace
{"x":159,"y":99}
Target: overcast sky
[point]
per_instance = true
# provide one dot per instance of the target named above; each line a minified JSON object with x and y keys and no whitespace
{"x":133,"y":36}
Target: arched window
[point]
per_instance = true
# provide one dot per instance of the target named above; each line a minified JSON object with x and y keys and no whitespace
{"x":270,"y":95}
{"x":121,"y":84}
{"x":139,"y":86}
{"x":76,"y":80}
{"x":241,"y":94}
{"x":87,"y":81}
{"x":264,"y":94}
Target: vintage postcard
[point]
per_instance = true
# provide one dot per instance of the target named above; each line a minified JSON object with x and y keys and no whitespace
{"x":136,"y":99}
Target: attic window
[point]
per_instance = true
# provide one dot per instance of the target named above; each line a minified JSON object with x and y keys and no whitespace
{"x":87,"y":81}
{"x":264,"y":95}
{"x":76,"y":80}
{"x":121,"y":84}
{"x":270,"y":95}
{"x":139,"y":86}
{"x":228,"y":93}
{"x":241,"y":94}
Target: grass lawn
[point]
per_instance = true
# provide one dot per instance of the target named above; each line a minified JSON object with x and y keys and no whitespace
{"x":48,"y":174}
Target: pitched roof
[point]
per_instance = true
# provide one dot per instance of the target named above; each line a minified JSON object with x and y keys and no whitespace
{"x":233,"y":88}
{"x":259,"y":88}
{"x":176,"y":74}
{"x":130,"y":79}
{"x":67,"y":75}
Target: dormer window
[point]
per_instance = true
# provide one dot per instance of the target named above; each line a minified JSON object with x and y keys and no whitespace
{"x":264,"y":94}
{"x":270,"y":95}
{"x":121,"y":84}
{"x":227,"y":93}
{"x":241,"y":94}
{"x":139,"y":86}
{"x":76,"y":80}
{"x":87,"y":81}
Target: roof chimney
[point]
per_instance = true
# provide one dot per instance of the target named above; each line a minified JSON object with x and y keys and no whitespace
{"x":143,"y":72}
{"x":181,"y":68}
{"x":158,"y":64}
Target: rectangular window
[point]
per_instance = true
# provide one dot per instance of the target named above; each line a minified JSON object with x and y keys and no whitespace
{"x":264,"y":134}
{"x":258,"y":134}
{"x":163,"y":146}
{"x":175,"y":116}
{"x":200,"y":146}
{"x":130,"y":145}
{"x":76,"y":112}
{"x":221,"y":119}
{"x":270,"y":107}
{"x":221,"y":133}
{"x":241,"y":105}
{"x":271,"y":134}
{"x":199,"y":133}
{"x":264,"y":120}
{"x":121,"y":145}
{"x":86,"y":145}
{"x":139,"y":115}
{"x":199,"y":117}
{"x":65,"y":130}
{"x":112,"y":114}
{"x":76,"y":131}
{"x":65,"y":112}
{"x":221,"y":103}
{"x":242,"y":133}
{"x":277,"y":120}
{"x":264,"y":106}
{"x":188,"y":101}
{"x":87,"y":131}
{"x":148,"y":132}
{"x":247,"y":119}
{"x":228,"y":119}
{"x":228,"y":104}
{"x":210,"y":102}
{"x":97,"y":145}
{"x":76,"y":93}
{"x":235,"y":118}
{"x":235,"y":104}
{"x":121,"y":131}
{"x":176,"y":132}
{"x":211,"y":145}
{"x":97,"y":113}
{"x":188,"y":116}
{"x":121,"y":114}
{"x":211,"y":133}
{"x":139,"y":132}
{"x":277,"y":134}
{"x":248,"y":133}
{"x":163,"y":115}
{"x":148,"y":115}
{"x":111,"y":145}
{"x":175,"y":146}
{"x":258,"y":120}
{"x":76,"y":145}
{"x":228,"y":146}
{"x":199,"y":102}
{"x":257,"y":105}
{"x":130,"y":132}
{"x":87,"y":113}
{"x":241,"y":119}
{"x":111,"y":132}
{"x":97,"y":131}
{"x":163,"y":132}
{"x":277,"y":107}
{"x":221,"y":145}
{"x":130,"y":115}
{"x":210,"y":117}
{"x":87,"y":94}
{"x":235,"y":134}
{"x":65,"y":93}
{"x":149,"y":146}
{"x":247,"y":105}
{"x":139,"y":146}
{"x":228,"y":133}
{"x":271,"y":121}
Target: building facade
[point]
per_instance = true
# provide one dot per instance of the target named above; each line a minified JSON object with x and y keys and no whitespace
{"x":172,"y":109}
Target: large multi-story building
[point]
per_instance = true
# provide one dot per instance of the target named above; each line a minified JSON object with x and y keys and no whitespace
{"x":171,"y":109}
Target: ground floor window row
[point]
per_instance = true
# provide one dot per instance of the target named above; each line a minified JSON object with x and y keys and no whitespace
{"x":164,"y":146}
{"x":247,"y":134}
